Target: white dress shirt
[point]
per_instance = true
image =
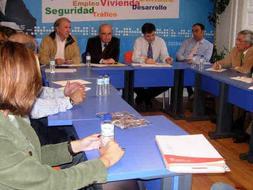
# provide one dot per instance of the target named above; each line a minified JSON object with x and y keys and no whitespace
{"x":50,"y":101}
{"x":159,"y":48}
{"x":205,"y":49}
{"x":60,"y":47}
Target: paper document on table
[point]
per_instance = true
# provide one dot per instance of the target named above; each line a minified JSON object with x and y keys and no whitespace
{"x":70,"y":65}
{"x":64,"y":82}
{"x":108,"y":65}
{"x":86,"y":88}
{"x":243,"y":79}
{"x":190,"y":154}
{"x":151,"y":65}
{"x":61,"y":70}
{"x":215,"y":70}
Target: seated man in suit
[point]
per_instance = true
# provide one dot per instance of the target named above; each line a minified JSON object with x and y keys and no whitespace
{"x":60,"y":45}
{"x":103,"y":48}
{"x":240,"y":57}
{"x":197,"y":45}
{"x":149,"y":49}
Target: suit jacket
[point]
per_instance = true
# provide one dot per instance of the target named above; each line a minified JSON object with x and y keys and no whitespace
{"x":24,"y":164}
{"x":16,"y":11}
{"x":234,"y":60}
{"x":94,"y":47}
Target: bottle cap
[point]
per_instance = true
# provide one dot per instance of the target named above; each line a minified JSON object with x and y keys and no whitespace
{"x":107,"y":117}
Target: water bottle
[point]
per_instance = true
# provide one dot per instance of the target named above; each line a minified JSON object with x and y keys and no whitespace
{"x":88,"y":59}
{"x":107,"y":129}
{"x":201,"y":63}
{"x":106,"y":85}
{"x":52,"y":66}
{"x":194,"y":60}
{"x":100,"y":86}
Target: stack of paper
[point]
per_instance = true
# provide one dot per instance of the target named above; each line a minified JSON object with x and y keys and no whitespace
{"x":190,"y":154}
{"x":242,"y":79}
{"x":108,"y":65}
{"x":64,"y":82}
{"x":151,"y":65}
{"x":215,"y":70}
{"x":59,"y":70}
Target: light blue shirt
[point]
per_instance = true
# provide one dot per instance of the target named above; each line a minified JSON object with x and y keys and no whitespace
{"x":205,"y":49}
{"x":50,"y":101}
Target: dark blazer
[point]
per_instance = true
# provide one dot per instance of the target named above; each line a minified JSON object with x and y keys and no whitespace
{"x":16,"y":11}
{"x":95,"y":50}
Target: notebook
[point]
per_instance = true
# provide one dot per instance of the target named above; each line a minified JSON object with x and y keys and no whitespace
{"x":190,"y":154}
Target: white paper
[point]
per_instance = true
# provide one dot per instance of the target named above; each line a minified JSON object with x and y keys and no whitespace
{"x":214,"y":70}
{"x":64,"y":82}
{"x":108,"y":65}
{"x":60,"y":70}
{"x":86,"y":88}
{"x":243,"y":79}
{"x":187,"y":145}
{"x":190,"y":154}
{"x":151,"y":65}
{"x":71,"y":65}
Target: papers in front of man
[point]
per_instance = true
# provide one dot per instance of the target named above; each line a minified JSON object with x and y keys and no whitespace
{"x":215,"y":70}
{"x":61,"y":70}
{"x":70,"y":65}
{"x":151,"y":65}
{"x":243,"y":79}
{"x":64,"y":82}
{"x":86,"y":88}
{"x":190,"y":154}
{"x":108,"y":65}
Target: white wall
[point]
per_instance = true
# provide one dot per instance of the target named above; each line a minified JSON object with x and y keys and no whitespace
{"x":237,"y":16}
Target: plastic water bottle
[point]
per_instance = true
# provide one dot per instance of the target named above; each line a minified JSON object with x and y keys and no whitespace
{"x":52,"y":66}
{"x":201,"y":63}
{"x":100,"y":86}
{"x":88,"y":59}
{"x":107,"y":130}
{"x":194,"y":60}
{"x":106,"y":85}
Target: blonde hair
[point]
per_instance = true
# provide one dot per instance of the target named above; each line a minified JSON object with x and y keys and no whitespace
{"x":20,"y":81}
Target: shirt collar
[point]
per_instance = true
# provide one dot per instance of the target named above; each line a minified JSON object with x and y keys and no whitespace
{"x":57,"y":37}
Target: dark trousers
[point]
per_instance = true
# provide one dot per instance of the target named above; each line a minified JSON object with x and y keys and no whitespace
{"x":52,"y":135}
{"x":147,"y":94}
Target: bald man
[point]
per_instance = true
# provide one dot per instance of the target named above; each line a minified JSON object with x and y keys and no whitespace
{"x":60,"y":45}
{"x":103,"y":48}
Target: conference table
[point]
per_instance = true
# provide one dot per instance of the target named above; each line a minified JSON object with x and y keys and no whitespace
{"x":228,"y":91}
{"x":142,"y":159}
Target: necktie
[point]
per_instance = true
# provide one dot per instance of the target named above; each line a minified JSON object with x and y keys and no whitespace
{"x":193,"y":50}
{"x":241,"y":59}
{"x":105,"y":45}
{"x":150,"y":51}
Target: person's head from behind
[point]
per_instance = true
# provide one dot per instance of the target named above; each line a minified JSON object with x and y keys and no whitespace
{"x":198,"y":31}
{"x":20,"y":81}
{"x":148,"y":31}
{"x":62,"y":27}
{"x":105,"y":33}
{"x":25,"y":39}
{"x":244,"y":40}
